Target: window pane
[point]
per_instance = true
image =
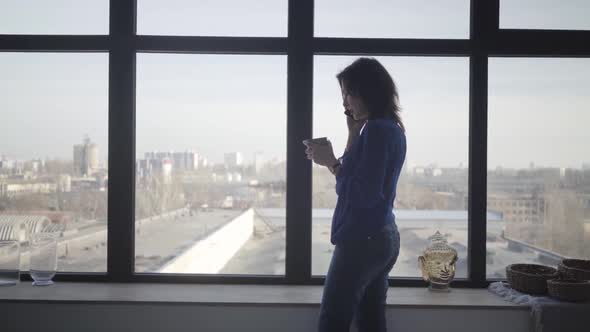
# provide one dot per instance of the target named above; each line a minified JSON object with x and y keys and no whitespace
{"x":211,"y":144}
{"x":55,"y":17}
{"x":392,"y":19}
{"x":53,"y":155}
{"x":545,"y":14}
{"x":432,"y":190}
{"x":263,"y":18}
{"x":538,"y":161}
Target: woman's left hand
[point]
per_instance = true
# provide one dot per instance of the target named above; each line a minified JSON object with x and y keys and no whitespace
{"x":321,"y":154}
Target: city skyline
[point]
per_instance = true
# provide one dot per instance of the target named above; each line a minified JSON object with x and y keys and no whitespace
{"x":258,"y":154}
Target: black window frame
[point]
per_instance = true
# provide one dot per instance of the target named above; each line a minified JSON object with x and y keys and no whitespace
{"x":122,"y":44}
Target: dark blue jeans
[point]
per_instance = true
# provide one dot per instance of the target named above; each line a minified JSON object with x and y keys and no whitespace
{"x":357,"y":283}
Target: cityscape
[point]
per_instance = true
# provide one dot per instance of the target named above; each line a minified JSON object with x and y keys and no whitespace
{"x":535,"y":214}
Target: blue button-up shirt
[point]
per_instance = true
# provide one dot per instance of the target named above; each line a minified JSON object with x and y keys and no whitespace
{"x":367,"y":180}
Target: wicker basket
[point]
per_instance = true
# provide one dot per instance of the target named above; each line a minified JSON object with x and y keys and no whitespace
{"x":569,"y":290}
{"x":530,"y":278}
{"x":576,"y":269}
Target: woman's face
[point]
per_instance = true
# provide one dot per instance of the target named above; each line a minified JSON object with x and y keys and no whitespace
{"x":353,"y":103}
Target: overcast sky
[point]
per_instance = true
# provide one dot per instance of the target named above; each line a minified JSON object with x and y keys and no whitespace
{"x":538,"y":108}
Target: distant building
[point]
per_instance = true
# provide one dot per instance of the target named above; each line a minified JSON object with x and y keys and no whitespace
{"x":152,"y":167}
{"x":79,"y":160}
{"x":143,"y":168}
{"x":37,"y":165}
{"x":154,"y":161}
{"x":92,"y":155}
{"x":518,"y":208}
{"x":15,"y":188}
{"x":258,"y":162}
{"x":237,"y":177}
{"x":6,"y":164}
{"x":65,"y":183}
{"x":162,"y":155}
{"x":203,"y":162}
{"x":231,"y":177}
{"x":163,"y":163}
{"x":166,"y":167}
{"x":86,"y":158}
{"x":188,"y":160}
{"x":232,"y":160}
{"x":11,"y":167}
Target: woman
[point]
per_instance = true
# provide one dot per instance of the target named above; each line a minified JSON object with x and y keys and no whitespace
{"x":364,"y":232}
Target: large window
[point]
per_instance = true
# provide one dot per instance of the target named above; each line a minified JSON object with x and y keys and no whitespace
{"x":53,"y":152}
{"x":210,"y":157}
{"x":538,"y":161}
{"x":192,"y":114}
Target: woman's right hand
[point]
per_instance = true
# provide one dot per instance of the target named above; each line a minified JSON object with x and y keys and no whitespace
{"x":354,"y":126}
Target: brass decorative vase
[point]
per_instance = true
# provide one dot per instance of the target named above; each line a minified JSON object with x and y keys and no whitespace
{"x":438,"y":263}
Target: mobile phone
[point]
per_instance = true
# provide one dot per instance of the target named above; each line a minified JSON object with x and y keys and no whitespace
{"x":348,"y":113}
